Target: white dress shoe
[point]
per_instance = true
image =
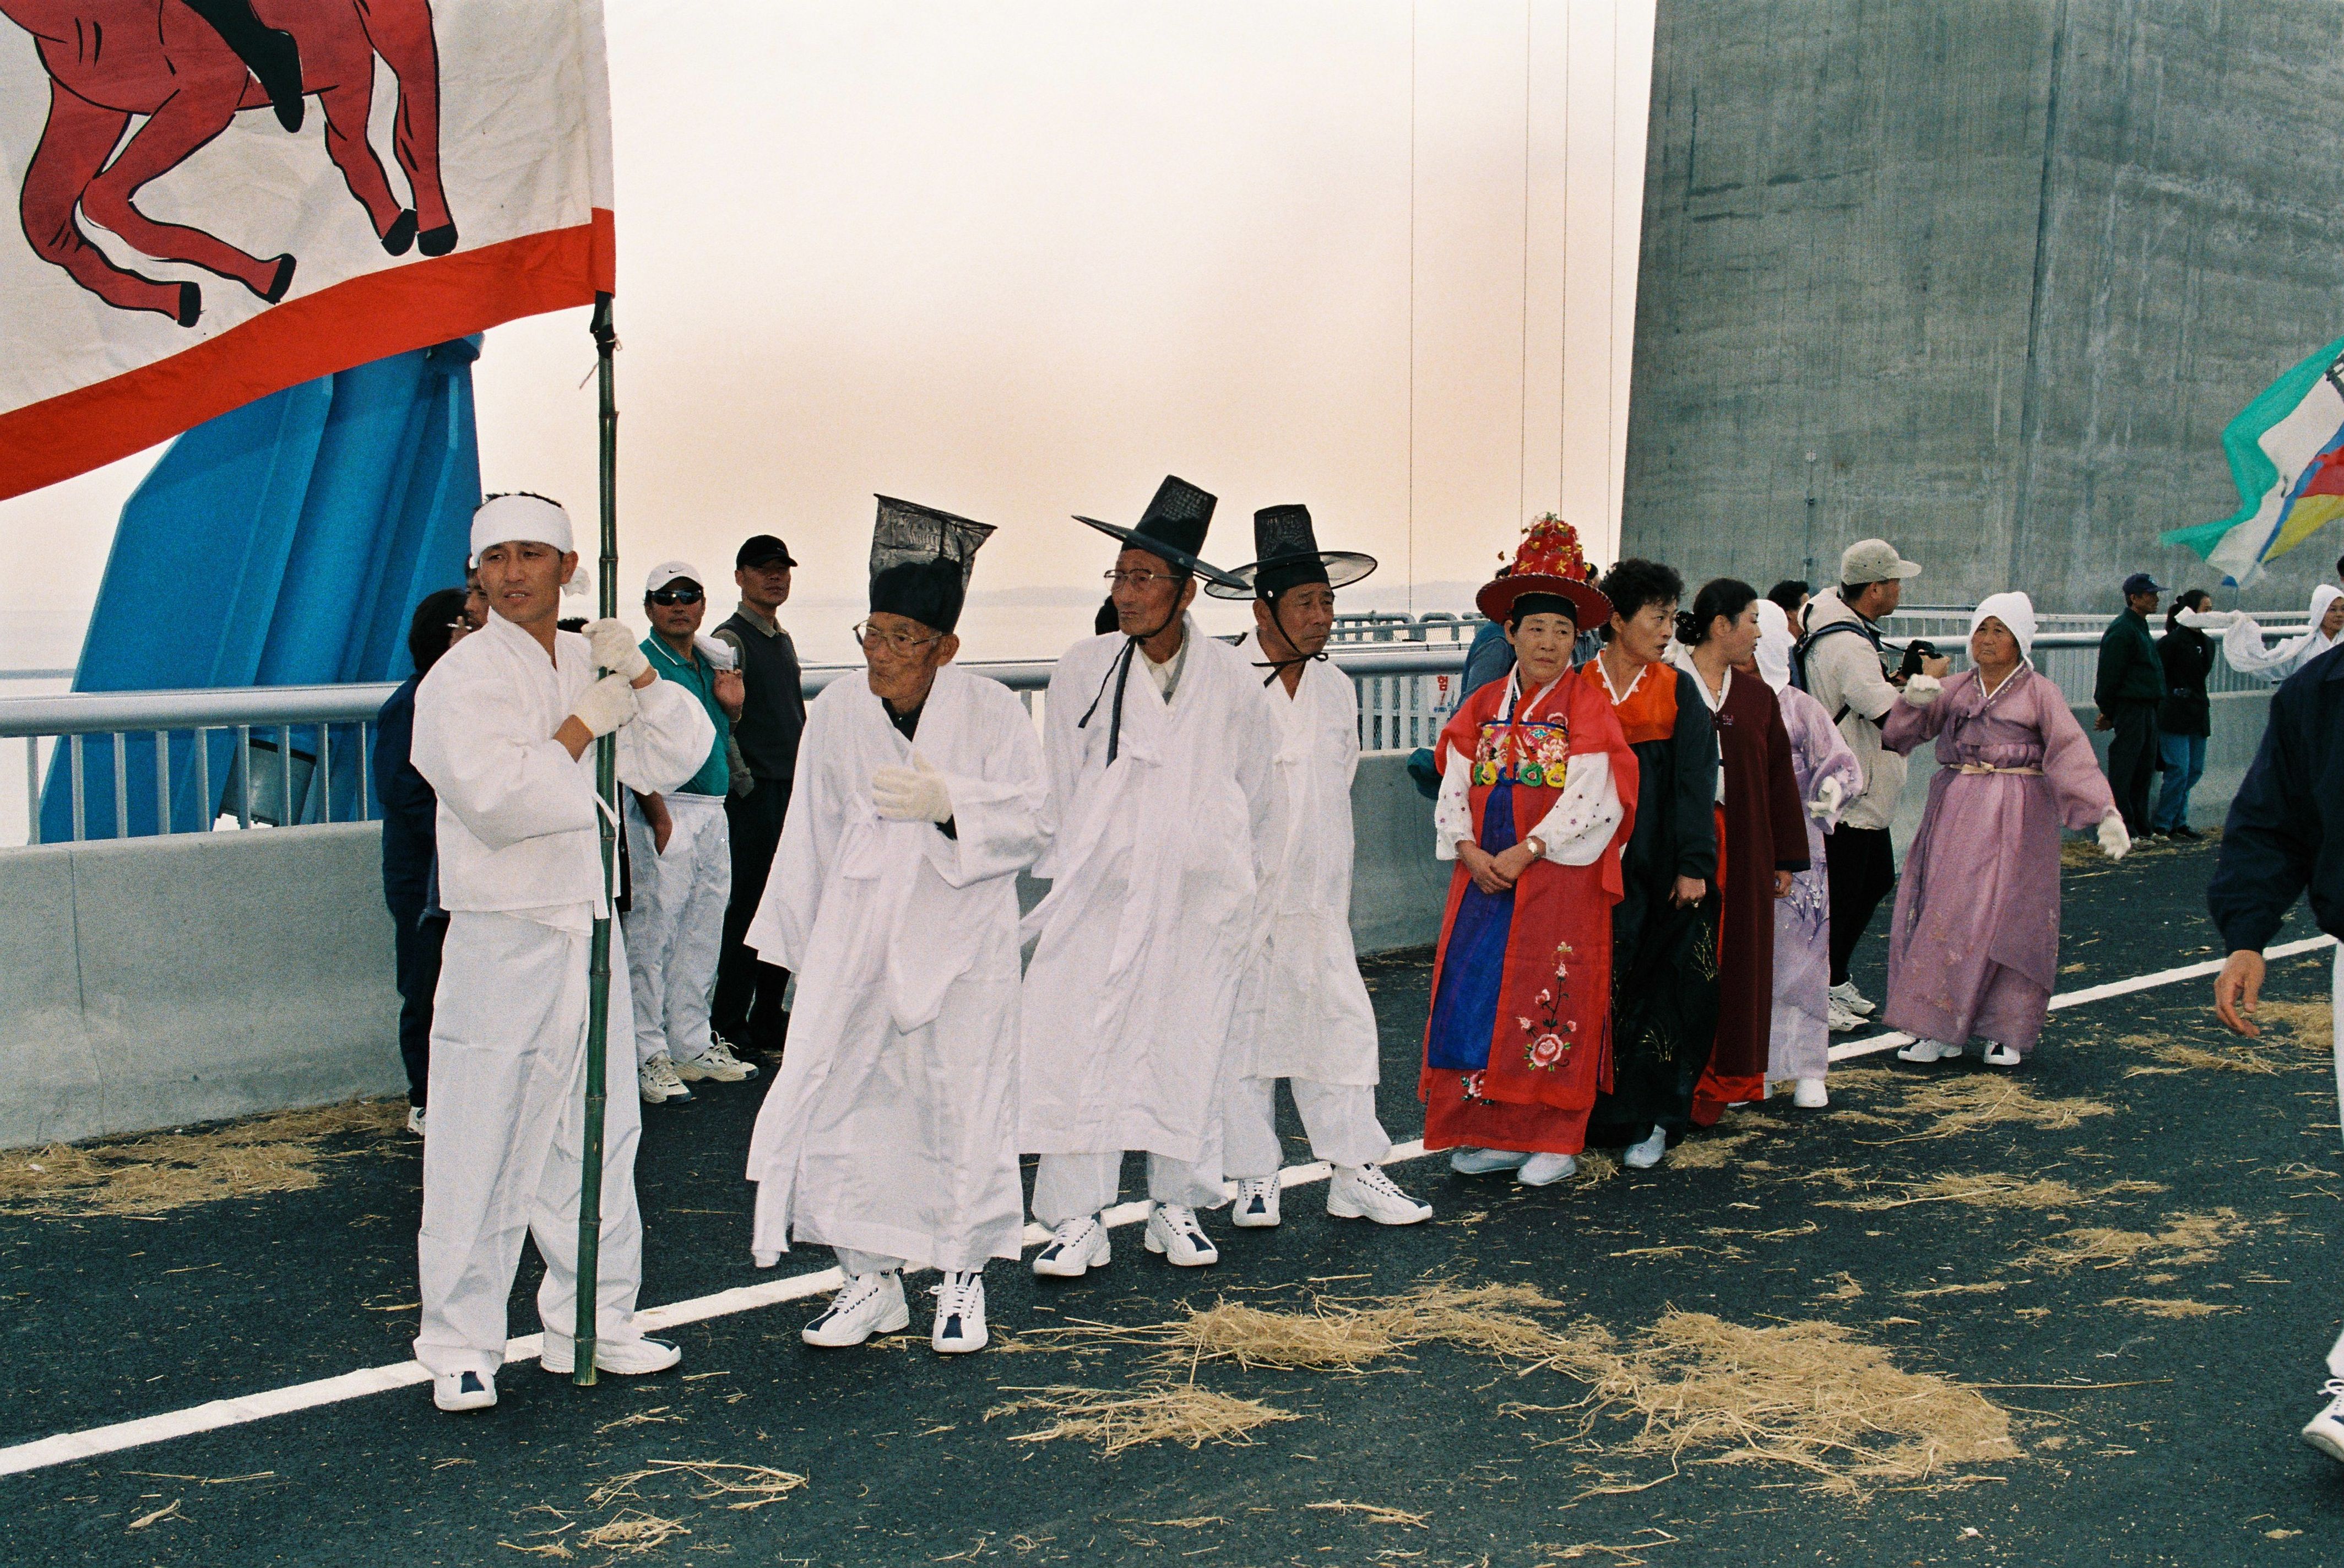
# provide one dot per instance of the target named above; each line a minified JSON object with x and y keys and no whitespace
{"x":1173,"y":1231}
{"x":1649,"y":1153}
{"x":1365,"y":1192}
{"x":1998,"y":1055}
{"x":960,"y":1314}
{"x":1855,"y":1001}
{"x":620,"y":1358}
{"x":478,"y":1392}
{"x":1485,"y":1161}
{"x":1928,"y":1051}
{"x":2324,"y":1432}
{"x":1809,"y":1094}
{"x":1074,"y":1249}
{"x":1256,"y":1204}
{"x":865,"y":1305}
{"x":1546,"y":1169}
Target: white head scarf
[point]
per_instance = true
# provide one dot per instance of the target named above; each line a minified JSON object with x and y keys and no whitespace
{"x":2016,"y":612}
{"x":1773,"y":645}
{"x":2324,"y":596}
{"x":527,"y":519}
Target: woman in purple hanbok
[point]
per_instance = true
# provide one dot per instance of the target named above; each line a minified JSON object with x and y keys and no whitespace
{"x":1799,"y":1048}
{"x":1974,"y":946}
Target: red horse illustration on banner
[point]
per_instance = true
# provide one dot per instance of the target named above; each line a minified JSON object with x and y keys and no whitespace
{"x":189,"y":67}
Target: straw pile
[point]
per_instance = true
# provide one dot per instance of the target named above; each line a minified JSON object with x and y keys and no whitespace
{"x":2181,"y":1059}
{"x":2186,"y":1238}
{"x":2311,"y":1025}
{"x":1118,"y":1419}
{"x":156,"y":1174}
{"x":1986,"y":1189}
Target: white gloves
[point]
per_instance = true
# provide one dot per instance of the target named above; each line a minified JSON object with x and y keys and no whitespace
{"x":2209,"y":620}
{"x":1921,"y":690}
{"x":1827,"y":798}
{"x":615,"y":649}
{"x":608,"y":704}
{"x":2113,"y":840}
{"x":915,"y":794}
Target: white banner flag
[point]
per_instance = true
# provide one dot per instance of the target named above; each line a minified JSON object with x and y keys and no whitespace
{"x":220,"y":198}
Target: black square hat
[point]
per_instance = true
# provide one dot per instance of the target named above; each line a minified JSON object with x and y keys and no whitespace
{"x":921,"y":560}
{"x":1173,"y":526}
{"x":1288,"y":556}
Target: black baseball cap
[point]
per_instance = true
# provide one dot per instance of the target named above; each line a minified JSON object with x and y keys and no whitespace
{"x":762,"y":549}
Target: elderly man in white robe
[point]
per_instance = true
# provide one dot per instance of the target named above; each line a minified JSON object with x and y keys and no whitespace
{"x":505,"y":726}
{"x":1165,"y":826}
{"x":891,"y":1131}
{"x":1303,"y":1013}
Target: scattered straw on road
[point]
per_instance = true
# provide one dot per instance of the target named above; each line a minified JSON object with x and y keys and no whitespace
{"x":154,"y":1175}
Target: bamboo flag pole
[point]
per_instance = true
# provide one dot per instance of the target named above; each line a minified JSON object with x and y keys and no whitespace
{"x":606,"y":785}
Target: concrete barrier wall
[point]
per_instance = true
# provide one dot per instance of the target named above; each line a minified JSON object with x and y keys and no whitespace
{"x":158,"y":982}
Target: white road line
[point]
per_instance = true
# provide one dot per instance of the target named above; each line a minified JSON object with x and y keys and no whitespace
{"x":68,"y":1448}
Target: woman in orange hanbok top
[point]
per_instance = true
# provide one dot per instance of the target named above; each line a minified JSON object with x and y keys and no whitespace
{"x":1537,"y":788}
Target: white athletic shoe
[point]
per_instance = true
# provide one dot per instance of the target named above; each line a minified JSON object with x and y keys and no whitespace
{"x":1256,"y":1204}
{"x":1998,"y":1055}
{"x":1855,"y":1001}
{"x":2324,"y":1432}
{"x":1928,"y":1051}
{"x":1841,"y":1020}
{"x":1810,"y":1094}
{"x":865,"y":1305}
{"x":1365,"y":1192}
{"x":1074,"y":1249}
{"x":415,"y":1120}
{"x":1650,"y":1152}
{"x":478,"y":1392}
{"x":658,"y":1080}
{"x":1546,"y":1169}
{"x":1468,"y":1161}
{"x":620,"y":1358}
{"x":960,"y":1314}
{"x":717,"y":1062}
{"x":1173,"y":1231}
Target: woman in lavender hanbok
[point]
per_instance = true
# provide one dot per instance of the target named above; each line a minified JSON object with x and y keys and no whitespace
{"x":1799,"y":1048}
{"x":1974,"y":946}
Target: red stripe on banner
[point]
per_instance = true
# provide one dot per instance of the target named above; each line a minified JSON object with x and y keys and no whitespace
{"x":353,"y":323}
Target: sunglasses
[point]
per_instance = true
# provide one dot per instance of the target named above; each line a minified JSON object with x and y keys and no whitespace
{"x":676,"y":596}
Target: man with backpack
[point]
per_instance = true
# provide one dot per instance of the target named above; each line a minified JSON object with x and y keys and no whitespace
{"x":1844,"y":666}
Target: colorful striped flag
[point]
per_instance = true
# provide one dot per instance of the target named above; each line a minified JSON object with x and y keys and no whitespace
{"x":2287,"y":456}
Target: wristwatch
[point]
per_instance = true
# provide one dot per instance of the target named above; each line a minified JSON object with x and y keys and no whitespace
{"x":1536,"y":845}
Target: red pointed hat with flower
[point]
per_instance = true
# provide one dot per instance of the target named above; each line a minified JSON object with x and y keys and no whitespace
{"x":1550,"y":563}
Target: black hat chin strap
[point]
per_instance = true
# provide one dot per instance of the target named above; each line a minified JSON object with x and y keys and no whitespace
{"x":1277,"y":667}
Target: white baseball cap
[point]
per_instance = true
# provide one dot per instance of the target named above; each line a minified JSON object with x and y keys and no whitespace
{"x":667,"y":572}
{"x":1874,"y":561}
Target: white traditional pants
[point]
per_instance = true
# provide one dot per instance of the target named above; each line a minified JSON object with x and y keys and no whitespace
{"x":675,"y":924}
{"x":508,"y":1130}
{"x":1069,"y":1186}
{"x":1340,"y":1117}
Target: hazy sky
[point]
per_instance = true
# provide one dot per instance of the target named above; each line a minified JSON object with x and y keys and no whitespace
{"x":1021,"y":260}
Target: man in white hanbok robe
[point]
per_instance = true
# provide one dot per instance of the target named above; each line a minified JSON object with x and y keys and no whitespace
{"x":1164,"y":827}
{"x":504,"y":728}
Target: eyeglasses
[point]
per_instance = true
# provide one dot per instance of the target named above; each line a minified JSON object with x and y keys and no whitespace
{"x":1139,"y":578}
{"x":676,"y":596}
{"x":900,"y":642}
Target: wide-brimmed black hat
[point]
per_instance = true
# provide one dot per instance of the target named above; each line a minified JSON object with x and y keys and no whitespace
{"x":1173,"y":528}
{"x":1288,"y":556}
{"x":921,"y":560}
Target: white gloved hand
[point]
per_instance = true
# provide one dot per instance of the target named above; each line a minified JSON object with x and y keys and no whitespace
{"x":609,"y":704}
{"x":616,"y":649}
{"x":2113,"y":840}
{"x":1826,"y":804}
{"x":1921,"y":690}
{"x":915,"y":794}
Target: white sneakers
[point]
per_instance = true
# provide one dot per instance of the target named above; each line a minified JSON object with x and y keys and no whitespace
{"x":1365,"y":1192}
{"x":620,"y":1358}
{"x":415,"y":1120}
{"x":658,"y":1080}
{"x":1546,"y":1169}
{"x":1469,"y":1161}
{"x":1256,"y":1204}
{"x":478,"y":1392}
{"x":1650,"y":1152}
{"x":865,"y":1305}
{"x":717,"y":1062}
{"x":2324,"y":1432}
{"x":1074,"y":1249}
{"x":1173,"y":1232}
{"x":1998,"y":1055}
{"x":1840,"y":1020}
{"x":1809,"y":1094}
{"x":960,"y":1314}
{"x":1928,"y":1051}
{"x":1846,"y":996}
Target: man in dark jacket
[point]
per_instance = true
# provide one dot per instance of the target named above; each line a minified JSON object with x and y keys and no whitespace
{"x":2130,"y":685}
{"x":410,"y":840}
{"x":2184,"y":717}
{"x":747,"y":1005}
{"x":2286,"y":830}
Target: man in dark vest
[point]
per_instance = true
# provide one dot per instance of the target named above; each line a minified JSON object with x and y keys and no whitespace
{"x":747,"y":1007}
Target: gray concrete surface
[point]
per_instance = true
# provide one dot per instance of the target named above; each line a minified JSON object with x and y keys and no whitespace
{"x":2005,"y":269}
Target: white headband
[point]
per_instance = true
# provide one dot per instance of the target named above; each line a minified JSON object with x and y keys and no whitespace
{"x":527,"y":519}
